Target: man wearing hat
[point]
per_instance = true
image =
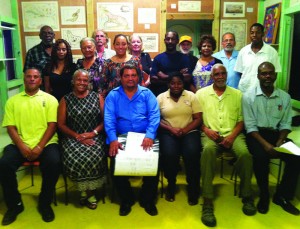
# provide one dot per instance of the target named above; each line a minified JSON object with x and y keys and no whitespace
{"x":185,"y":45}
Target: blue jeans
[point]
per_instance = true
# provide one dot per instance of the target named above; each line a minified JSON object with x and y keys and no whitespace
{"x":50,"y":166}
{"x":189,"y":146}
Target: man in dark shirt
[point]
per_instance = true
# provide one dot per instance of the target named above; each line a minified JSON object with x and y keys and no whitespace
{"x":39,"y":55}
{"x":166,"y":62}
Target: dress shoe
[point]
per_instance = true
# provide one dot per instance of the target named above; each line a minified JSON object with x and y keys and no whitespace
{"x":150,"y":209}
{"x":47,"y":213}
{"x":192,"y":201}
{"x":263,"y":205}
{"x":248,"y":206}
{"x":170,"y":196}
{"x":286,"y":205}
{"x":125,"y":209}
{"x":11,"y":214}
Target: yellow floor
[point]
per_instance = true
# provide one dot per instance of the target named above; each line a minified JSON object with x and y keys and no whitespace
{"x":171,"y":215}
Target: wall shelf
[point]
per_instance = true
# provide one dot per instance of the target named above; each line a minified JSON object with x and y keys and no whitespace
{"x":7,"y":59}
{"x":6,"y":28}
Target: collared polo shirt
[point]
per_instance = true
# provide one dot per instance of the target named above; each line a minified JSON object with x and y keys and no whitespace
{"x":178,"y":114}
{"x":31,"y":115}
{"x":220,"y":113}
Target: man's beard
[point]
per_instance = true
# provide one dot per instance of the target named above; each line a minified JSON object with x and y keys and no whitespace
{"x":183,"y":51}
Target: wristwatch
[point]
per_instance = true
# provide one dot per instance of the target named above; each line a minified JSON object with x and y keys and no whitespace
{"x":96,"y":132}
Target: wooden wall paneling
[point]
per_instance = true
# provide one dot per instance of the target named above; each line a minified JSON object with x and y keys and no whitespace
{"x":251,"y":17}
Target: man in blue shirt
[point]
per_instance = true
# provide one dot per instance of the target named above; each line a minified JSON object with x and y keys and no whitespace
{"x":131,"y":107}
{"x":167,"y":62}
{"x":267,"y":117}
{"x":228,"y":56}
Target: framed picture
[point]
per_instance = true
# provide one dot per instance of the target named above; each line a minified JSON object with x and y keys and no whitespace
{"x":238,"y":28}
{"x":271,"y":23}
{"x":234,"y":9}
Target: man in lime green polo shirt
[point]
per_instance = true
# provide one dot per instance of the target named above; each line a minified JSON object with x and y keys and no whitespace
{"x":30,"y":119}
{"x":222,"y":131}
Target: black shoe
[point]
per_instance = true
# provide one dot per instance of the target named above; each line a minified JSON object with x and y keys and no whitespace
{"x":263,"y":205}
{"x":248,"y":206}
{"x":192,"y":200}
{"x":170,"y":196}
{"x":11,"y":214}
{"x":286,"y":205}
{"x":150,"y":209}
{"x":125,"y":209}
{"x":47,"y":213}
{"x":208,"y":218}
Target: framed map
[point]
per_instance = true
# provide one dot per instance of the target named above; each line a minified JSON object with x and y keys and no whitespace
{"x":115,"y":16}
{"x":73,"y":36}
{"x":238,"y":28}
{"x":38,"y":14}
{"x":72,"y":15}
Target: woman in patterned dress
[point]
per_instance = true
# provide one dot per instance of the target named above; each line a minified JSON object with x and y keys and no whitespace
{"x":112,"y":66}
{"x":201,"y":73}
{"x":91,"y":62}
{"x":80,"y":119}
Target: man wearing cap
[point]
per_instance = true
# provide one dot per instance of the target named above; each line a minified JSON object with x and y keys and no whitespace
{"x":185,"y":46}
{"x":228,"y":55}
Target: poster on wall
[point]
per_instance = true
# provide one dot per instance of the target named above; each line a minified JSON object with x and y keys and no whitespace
{"x":238,"y":28}
{"x":72,"y":15}
{"x":73,"y":36}
{"x":115,"y":17}
{"x":38,"y":14}
{"x":271,"y":23}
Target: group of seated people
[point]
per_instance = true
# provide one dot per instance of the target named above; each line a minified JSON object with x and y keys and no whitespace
{"x":83,"y":129}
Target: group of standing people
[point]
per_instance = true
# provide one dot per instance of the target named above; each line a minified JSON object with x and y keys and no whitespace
{"x":198,"y":113}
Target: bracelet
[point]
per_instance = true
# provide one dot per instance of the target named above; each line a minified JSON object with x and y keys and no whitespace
{"x":38,"y":146}
{"x":96,"y":132}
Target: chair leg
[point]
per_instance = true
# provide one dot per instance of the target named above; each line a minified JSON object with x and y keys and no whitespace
{"x":54,"y":197}
{"x":161,"y":184}
{"x":66,"y":189}
{"x":31,"y":172}
{"x":279,"y":172}
{"x":222,"y":167}
{"x":235,"y":181}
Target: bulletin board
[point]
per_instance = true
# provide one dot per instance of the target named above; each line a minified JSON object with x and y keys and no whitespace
{"x":74,"y":19}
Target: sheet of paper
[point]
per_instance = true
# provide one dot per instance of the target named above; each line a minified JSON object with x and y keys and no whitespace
{"x":289,"y":147}
{"x":133,"y":160}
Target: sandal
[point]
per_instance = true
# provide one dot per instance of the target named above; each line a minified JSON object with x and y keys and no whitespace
{"x":90,"y":205}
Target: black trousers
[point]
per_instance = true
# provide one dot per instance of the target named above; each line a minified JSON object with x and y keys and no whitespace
{"x":261,"y":160}
{"x":148,"y":192}
{"x":50,"y":166}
